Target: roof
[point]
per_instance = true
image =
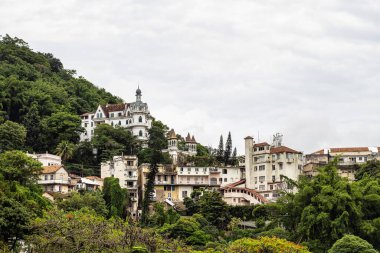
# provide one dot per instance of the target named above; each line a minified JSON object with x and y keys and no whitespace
{"x":88,"y":181}
{"x":353,"y":149}
{"x":94,"y":177}
{"x":283,"y":149}
{"x":240,"y":182}
{"x":193,"y":139}
{"x":171,"y":134}
{"x":116,"y":107}
{"x":232,"y":185}
{"x":189,"y":138}
{"x":261,"y":144}
{"x":51,"y":169}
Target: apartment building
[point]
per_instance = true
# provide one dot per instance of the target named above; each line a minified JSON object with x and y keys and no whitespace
{"x":46,"y":159}
{"x":349,"y":159}
{"x":266,"y":164}
{"x":125,"y":168}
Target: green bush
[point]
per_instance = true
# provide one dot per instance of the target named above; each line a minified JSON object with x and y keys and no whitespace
{"x":352,"y":244}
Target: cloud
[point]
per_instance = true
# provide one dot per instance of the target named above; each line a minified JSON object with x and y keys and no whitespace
{"x":306,"y":68}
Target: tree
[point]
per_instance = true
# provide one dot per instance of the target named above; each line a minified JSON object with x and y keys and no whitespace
{"x":265,"y":244}
{"x":157,"y":142}
{"x":234,"y":158}
{"x":371,"y":169}
{"x":65,"y":150}
{"x":352,"y":244}
{"x":220,"y":151}
{"x":214,"y":209}
{"x":33,"y":127}
{"x":20,"y":197}
{"x":228,"y":149}
{"x":61,"y":126}
{"x":90,"y":200}
{"x":12,"y":136}
{"x":115,"y":197}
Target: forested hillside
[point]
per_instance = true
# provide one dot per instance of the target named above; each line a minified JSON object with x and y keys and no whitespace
{"x":39,"y":93}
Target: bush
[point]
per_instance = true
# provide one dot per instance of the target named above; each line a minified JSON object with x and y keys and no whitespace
{"x":265,"y":244}
{"x":352,"y":244}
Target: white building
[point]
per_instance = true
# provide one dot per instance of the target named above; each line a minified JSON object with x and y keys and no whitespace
{"x":125,"y":169}
{"x":134,"y":116}
{"x":54,"y":178}
{"x":265,"y":166}
{"x":46,"y":159}
{"x":175,"y":152}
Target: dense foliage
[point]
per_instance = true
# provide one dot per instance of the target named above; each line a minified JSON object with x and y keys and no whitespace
{"x":38,"y":92}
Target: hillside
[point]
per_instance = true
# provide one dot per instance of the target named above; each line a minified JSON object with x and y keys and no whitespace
{"x":35,"y":85}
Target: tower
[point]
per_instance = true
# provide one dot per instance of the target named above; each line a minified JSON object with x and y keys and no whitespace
{"x":248,"y":162}
{"x":138,"y":94}
{"x":172,"y":140}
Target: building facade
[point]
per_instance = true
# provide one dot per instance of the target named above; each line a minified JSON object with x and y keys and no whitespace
{"x":46,"y":159}
{"x":125,"y":168}
{"x":134,"y":116}
{"x":266,"y":165}
{"x":54,"y":178}
{"x":349,"y":159}
{"x":174,"y":150}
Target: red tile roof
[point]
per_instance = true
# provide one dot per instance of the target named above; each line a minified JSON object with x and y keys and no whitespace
{"x":353,"y":149}
{"x":232,"y":185}
{"x":319,"y":152}
{"x":261,"y":144}
{"x":283,"y":149}
{"x":51,"y":169}
{"x":116,"y":107}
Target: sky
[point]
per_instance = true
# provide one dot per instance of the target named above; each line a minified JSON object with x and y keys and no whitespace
{"x":307,"y":69}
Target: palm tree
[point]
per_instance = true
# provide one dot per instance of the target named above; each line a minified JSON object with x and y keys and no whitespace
{"x":65,"y":150}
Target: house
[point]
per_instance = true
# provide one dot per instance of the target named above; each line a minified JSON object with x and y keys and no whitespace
{"x":134,"y":116}
{"x":46,"y":159}
{"x":54,"y":178}
{"x":349,"y":159}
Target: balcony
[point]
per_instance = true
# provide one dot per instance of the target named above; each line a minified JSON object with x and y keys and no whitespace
{"x":214,"y":170}
{"x":163,"y":182}
{"x":53,"y":181}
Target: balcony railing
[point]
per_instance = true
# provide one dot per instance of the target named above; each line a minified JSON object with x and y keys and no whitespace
{"x":53,"y":181}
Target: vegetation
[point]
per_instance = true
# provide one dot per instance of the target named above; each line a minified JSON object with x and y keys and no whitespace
{"x":352,"y":244}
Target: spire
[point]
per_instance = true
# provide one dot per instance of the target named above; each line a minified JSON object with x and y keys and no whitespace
{"x":138,"y":93}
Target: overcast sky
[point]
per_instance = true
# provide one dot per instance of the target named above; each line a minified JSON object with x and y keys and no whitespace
{"x":307,"y":69}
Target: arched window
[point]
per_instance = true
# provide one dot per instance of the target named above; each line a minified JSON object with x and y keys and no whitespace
{"x":128,"y":114}
{"x":111,"y":123}
{"x":140,"y":119}
{"x":140,"y":133}
{"x":119,"y":123}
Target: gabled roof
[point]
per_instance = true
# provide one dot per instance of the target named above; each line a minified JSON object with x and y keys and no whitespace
{"x":116,"y":107}
{"x":261,"y":144}
{"x":51,"y":169}
{"x":283,"y":149}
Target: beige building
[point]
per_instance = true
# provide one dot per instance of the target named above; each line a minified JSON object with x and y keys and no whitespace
{"x":54,"y":179}
{"x":349,"y":159}
{"x":125,"y":169}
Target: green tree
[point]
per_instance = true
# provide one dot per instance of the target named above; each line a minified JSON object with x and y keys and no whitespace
{"x":228,"y":149}
{"x":20,"y":197}
{"x":234,"y":157}
{"x":90,"y":200}
{"x":220,"y":151}
{"x":157,"y":142}
{"x":371,"y":169}
{"x":33,"y":127}
{"x":115,"y":197}
{"x":352,"y":244}
{"x":65,"y":150}
{"x":12,"y":136}
{"x":214,"y":209}
{"x":61,"y":126}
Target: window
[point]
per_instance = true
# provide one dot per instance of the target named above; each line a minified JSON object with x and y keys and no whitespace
{"x":360,"y":158}
{"x":119,"y":123}
{"x":225,"y":179}
{"x":352,"y":159}
{"x":111,"y":116}
{"x":119,"y":114}
{"x":255,"y":169}
{"x":51,"y":177}
{"x":111,"y":123}
{"x":196,"y":169}
{"x":271,"y":187}
{"x":262,"y":187}
{"x":130,"y":174}
{"x":92,"y":124}
{"x":46,"y":177}
{"x":188,"y":170}
{"x":159,"y":178}
{"x":261,"y":148}
{"x":130,"y":184}
{"x":184,"y":194}
{"x":169,"y":195}
{"x":224,"y":171}
{"x":266,"y":195}
{"x":280,"y":166}
{"x":204,"y":170}
{"x":129,"y":163}
{"x":262,"y":179}
{"x":181,"y":169}
{"x":273,"y":167}
{"x":140,"y":119}
{"x":262,"y":167}
{"x":140,"y":133}
{"x":255,"y":180}
{"x":220,"y":180}
{"x":273,"y":178}
{"x":165,"y":178}
{"x":85,"y":124}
